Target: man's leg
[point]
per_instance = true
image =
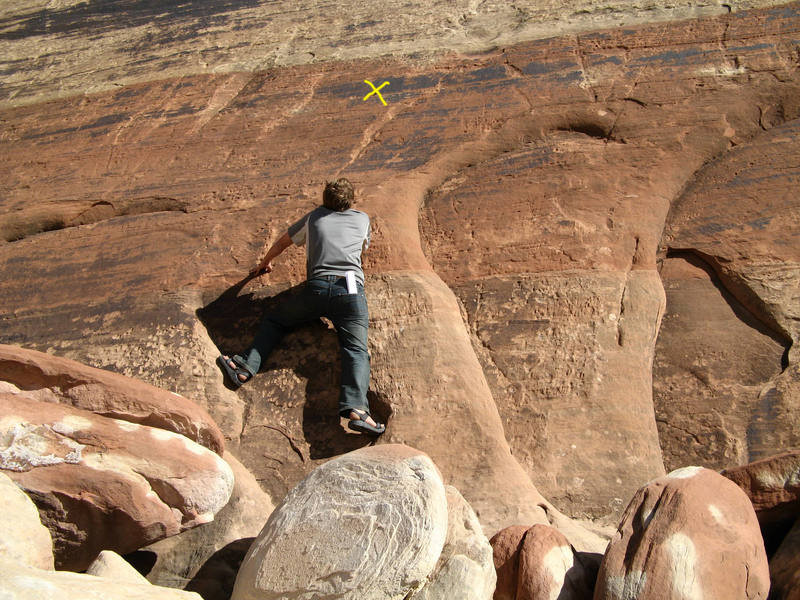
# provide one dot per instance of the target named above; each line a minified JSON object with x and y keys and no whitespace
{"x":292,"y":312}
{"x":351,"y":319}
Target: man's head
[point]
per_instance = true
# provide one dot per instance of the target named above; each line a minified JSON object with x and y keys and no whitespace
{"x":338,"y":195}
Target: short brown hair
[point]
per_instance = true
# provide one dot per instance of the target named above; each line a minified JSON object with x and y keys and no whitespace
{"x":338,"y":195}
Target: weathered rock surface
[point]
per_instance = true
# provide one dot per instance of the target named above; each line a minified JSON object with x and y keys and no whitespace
{"x":691,"y":534}
{"x":23,"y":538}
{"x":100,"y":48}
{"x":111,"y":565}
{"x":784,"y":567}
{"x":53,"y":379}
{"x":206,"y":559}
{"x":465,"y":569}
{"x":103,"y":483}
{"x":713,"y":358}
{"x":27,"y":583}
{"x":727,"y":389}
{"x":772,"y":484}
{"x":153,"y":200}
{"x":370,"y":524}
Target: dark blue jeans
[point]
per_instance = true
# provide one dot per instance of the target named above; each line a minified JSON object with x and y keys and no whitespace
{"x":324,"y":296}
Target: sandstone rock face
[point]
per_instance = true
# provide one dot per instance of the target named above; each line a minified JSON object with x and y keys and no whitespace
{"x":23,"y":539}
{"x":370,"y":524}
{"x":691,"y":534}
{"x":206,"y":559}
{"x":713,"y":358}
{"x":728,"y":391}
{"x":63,"y":381}
{"x":130,"y":44}
{"x":465,"y":568}
{"x":555,"y":163}
{"x":111,"y":565}
{"x":27,"y":583}
{"x":103,"y":483}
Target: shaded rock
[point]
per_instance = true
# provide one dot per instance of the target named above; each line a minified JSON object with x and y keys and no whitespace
{"x":506,"y":545}
{"x":738,"y":218}
{"x":550,"y":568}
{"x":691,"y":534}
{"x":111,"y":565}
{"x":713,"y":357}
{"x":103,"y":483}
{"x":206,"y":559}
{"x":784,"y":567}
{"x":370,"y":525}
{"x":60,"y":380}
{"x":23,"y":538}
{"x":26,"y":583}
{"x":465,"y":569}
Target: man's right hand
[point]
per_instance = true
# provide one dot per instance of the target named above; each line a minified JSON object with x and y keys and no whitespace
{"x":263,"y":267}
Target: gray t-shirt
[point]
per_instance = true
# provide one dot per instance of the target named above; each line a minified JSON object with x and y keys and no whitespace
{"x":334,"y":241}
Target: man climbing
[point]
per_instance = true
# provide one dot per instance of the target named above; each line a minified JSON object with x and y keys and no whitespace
{"x":334,"y":235}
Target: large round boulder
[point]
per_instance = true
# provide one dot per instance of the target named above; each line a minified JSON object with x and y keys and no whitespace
{"x":368,"y":525}
{"x":691,"y":534}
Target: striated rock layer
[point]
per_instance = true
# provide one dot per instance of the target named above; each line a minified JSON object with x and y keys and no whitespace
{"x":518,"y":200}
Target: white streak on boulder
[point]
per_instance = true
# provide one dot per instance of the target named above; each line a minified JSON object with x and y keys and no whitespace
{"x":685,"y":569}
{"x":627,"y":587}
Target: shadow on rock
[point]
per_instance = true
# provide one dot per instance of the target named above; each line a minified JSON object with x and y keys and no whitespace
{"x":310,"y":353}
{"x":216,"y":578}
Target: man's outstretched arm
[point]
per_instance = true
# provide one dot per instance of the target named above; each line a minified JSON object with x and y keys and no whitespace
{"x":281,"y":244}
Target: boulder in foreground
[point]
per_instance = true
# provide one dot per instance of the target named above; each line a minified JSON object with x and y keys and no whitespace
{"x":27,"y":583}
{"x":103,"y":483}
{"x":691,"y":534}
{"x":368,"y":525}
{"x":23,"y":538}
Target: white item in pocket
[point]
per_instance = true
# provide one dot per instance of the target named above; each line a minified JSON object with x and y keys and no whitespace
{"x":350,"y":276}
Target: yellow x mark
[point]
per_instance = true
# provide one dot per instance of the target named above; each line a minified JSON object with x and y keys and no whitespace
{"x":375,"y":90}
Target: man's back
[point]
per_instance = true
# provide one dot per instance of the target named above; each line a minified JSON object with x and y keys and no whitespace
{"x":334,"y":241}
